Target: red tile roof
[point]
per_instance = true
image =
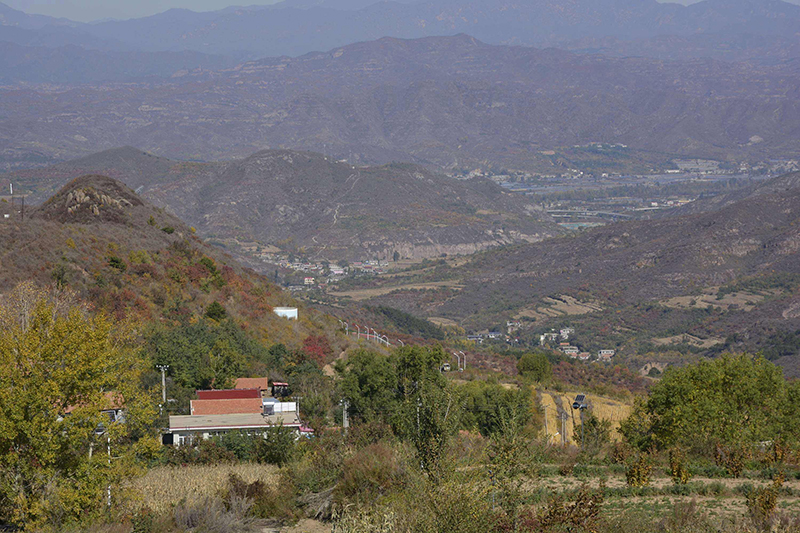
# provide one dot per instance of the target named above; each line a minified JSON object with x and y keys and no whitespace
{"x":228,"y":394}
{"x":227,"y":407}
{"x":252,"y":383}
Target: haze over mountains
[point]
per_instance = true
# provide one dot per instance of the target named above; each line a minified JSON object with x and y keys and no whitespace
{"x":298,"y":27}
{"x":447,"y":102}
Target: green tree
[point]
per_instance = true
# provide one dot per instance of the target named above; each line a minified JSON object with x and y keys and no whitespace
{"x":535,"y":366}
{"x":732,"y":400}
{"x":216,"y":311}
{"x":368,"y":381}
{"x":594,"y":433}
{"x":188,"y":350}
{"x":490,"y":407}
{"x":429,"y":418}
{"x":58,"y":370}
{"x":225,"y":364}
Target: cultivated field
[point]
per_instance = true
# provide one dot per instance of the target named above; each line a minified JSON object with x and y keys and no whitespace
{"x":556,"y":403}
{"x":364,"y":294}
{"x":163,"y":487}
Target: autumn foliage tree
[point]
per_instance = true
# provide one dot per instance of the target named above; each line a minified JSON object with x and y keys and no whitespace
{"x":317,"y":349}
{"x":59,"y":369}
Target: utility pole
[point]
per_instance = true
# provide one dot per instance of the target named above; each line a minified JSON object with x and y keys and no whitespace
{"x":163,"y":369}
{"x":345,"y":419}
{"x":108,"y":437}
{"x":563,"y":429}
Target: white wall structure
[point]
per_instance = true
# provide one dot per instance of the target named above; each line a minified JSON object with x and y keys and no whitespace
{"x":286,"y":312}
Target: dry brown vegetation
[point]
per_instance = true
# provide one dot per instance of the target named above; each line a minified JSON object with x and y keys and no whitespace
{"x":163,"y":487}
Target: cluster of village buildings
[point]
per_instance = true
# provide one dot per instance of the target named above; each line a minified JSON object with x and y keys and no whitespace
{"x":253,"y":406}
{"x":562,"y":338}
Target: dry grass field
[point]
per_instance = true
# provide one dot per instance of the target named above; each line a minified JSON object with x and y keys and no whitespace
{"x":737,"y":300}
{"x":162,"y":487}
{"x":364,"y":294}
{"x":688,"y":339}
{"x":555,"y":403}
{"x":561,"y":306}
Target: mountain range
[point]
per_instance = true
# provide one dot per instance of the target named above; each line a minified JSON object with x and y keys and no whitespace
{"x":298,"y":27}
{"x":446,"y":102}
{"x":302,"y":201}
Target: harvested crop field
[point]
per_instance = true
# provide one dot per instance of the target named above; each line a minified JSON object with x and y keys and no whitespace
{"x":163,"y":487}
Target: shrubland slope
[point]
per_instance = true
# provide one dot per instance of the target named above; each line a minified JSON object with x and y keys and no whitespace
{"x":133,"y":261}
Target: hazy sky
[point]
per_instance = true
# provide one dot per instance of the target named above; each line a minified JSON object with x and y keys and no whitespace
{"x":89,"y":10}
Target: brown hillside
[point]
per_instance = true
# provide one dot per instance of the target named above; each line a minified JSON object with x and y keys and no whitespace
{"x":132,"y":260}
{"x":631,"y":262}
{"x":306,"y":201}
{"x":91,"y":199}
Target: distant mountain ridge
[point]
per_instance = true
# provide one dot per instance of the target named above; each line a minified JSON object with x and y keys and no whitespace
{"x":300,"y":26}
{"x":447,"y":102}
{"x":304,"y":201}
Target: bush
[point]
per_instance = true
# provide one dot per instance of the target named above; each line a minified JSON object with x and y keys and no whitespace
{"x":117,"y":263}
{"x":212,"y":515}
{"x":371,"y":473}
{"x":216,"y":311}
{"x":639,"y":471}
{"x":204,"y":452}
{"x":761,"y":504}
{"x":169,"y":230}
{"x":582,"y":514}
{"x":732,"y":458}
{"x":677,"y":467}
{"x":277,"y":447}
{"x":319,"y":466}
{"x":685,"y":516}
{"x":620,"y":453}
{"x":361,"y":521}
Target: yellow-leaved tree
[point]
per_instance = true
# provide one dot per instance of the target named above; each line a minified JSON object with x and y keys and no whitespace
{"x":62,"y":372}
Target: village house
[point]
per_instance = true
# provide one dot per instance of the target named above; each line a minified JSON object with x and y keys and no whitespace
{"x":569,"y":350}
{"x":548,"y":337}
{"x":606,"y":355}
{"x":186,"y":428}
{"x":253,"y":409}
